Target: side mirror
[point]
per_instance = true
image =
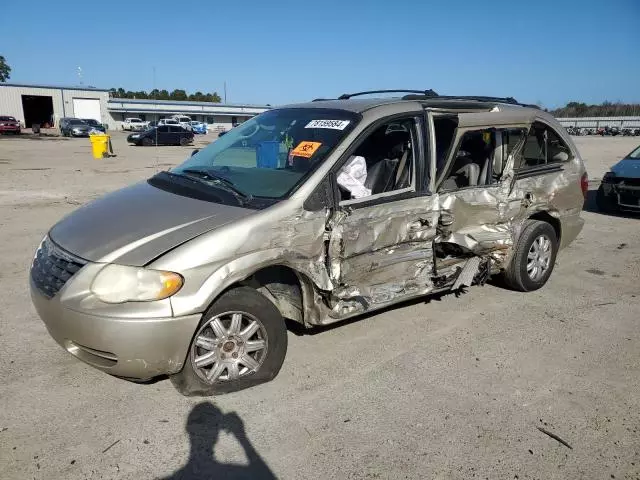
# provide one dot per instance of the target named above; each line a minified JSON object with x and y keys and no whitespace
{"x":195,"y":151}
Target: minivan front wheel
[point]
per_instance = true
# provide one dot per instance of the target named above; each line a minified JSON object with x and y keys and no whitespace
{"x":534,"y":257}
{"x":240,"y":342}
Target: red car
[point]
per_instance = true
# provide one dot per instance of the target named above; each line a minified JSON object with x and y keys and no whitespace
{"x":9,"y":124}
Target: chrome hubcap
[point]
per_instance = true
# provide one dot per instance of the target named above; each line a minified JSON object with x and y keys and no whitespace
{"x":539,"y":258}
{"x":229,"y":346}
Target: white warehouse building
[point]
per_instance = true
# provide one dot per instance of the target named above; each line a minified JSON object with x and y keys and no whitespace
{"x":216,"y":115}
{"x":47,"y":104}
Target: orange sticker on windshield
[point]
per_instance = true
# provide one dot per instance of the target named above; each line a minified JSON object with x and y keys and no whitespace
{"x":306,"y":149}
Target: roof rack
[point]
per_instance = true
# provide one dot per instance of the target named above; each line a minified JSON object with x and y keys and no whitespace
{"x":430,"y":94}
{"x":427,"y":93}
{"x":475,"y":98}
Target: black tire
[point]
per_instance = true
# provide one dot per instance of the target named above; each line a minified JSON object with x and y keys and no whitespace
{"x":604,"y":202}
{"x":515,"y":275}
{"x":249,"y":301}
{"x":184,"y":141}
{"x":147,"y":142}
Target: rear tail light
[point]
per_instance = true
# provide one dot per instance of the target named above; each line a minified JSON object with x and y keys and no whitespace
{"x":584,"y":184}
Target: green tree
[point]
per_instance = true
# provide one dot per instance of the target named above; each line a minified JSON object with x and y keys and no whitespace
{"x":5,"y":70}
{"x":212,"y":97}
{"x":197,"y":97}
{"x":178,"y":95}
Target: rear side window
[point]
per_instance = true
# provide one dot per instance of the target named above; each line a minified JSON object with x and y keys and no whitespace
{"x":543,"y":146}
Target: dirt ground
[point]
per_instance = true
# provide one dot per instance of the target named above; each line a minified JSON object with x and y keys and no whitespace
{"x":448,"y":388}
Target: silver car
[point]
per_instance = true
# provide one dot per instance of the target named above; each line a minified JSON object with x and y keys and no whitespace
{"x":316,"y":213}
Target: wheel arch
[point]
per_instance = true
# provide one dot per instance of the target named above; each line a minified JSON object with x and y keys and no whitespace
{"x":291,"y":291}
{"x":545,"y":216}
{"x":283,"y":286}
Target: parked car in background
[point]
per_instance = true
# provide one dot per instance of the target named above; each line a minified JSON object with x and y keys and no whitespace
{"x":9,"y":124}
{"x":168,"y":121}
{"x":95,"y":124}
{"x":342,"y":208}
{"x":74,"y":127}
{"x":620,"y":187}
{"x":134,"y":124}
{"x":162,"y":135}
{"x":198,"y":127}
{"x":183,"y":120}
{"x":152,"y":124}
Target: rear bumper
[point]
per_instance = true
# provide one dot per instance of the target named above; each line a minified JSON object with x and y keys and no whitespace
{"x":570,"y":226}
{"x":136,"y":348}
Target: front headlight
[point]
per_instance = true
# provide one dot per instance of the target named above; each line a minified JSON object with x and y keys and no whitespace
{"x":119,"y":284}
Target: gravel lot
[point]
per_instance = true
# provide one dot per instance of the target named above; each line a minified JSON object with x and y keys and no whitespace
{"x":441,"y":388}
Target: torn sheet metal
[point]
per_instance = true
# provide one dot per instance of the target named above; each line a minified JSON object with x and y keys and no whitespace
{"x":465,"y":279}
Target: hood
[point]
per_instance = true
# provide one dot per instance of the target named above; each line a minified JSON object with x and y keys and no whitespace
{"x":80,"y":127}
{"x":628,"y":168}
{"x":134,"y":225}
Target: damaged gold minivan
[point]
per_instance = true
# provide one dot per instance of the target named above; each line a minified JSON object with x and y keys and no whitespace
{"x":314,"y":212}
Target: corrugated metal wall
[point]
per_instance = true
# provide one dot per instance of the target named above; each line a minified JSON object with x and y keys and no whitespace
{"x":62,"y":98}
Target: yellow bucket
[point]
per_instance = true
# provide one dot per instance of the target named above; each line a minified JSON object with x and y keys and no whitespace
{"x":100,"y":145}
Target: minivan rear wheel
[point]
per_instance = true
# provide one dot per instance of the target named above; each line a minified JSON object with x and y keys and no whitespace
{"x":534,"y":257}
{"x":240,"y":342}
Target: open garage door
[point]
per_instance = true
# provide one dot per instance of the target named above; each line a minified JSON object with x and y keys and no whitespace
{"x":37,"y":109}
{"x":87,"y":108}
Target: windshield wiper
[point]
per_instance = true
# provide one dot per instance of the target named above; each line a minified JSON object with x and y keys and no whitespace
{"x":207,"y":174}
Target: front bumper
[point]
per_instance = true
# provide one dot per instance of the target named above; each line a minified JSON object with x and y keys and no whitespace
{"x":79,"y":134}
{"x":625,"y":193}
{"x":135,"y":348}
{"x":10,"y":128}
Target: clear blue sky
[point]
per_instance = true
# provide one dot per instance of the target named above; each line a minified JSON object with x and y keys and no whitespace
{"x":280,"y":51}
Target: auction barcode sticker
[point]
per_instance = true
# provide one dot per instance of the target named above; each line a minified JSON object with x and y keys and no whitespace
{"x":332,"y":124}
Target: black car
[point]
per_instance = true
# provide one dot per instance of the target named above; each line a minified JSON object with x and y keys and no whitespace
{"x":162,"y":135}
{"x":94,"y":124}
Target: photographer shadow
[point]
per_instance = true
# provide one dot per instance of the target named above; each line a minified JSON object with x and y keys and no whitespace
{"x":203,"y":426}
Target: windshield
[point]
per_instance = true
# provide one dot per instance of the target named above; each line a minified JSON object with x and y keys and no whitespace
{"x":271,"y":154}
{"x":7,"y":119}
{"x":635,"y":155}
{"x":91,"y":121}
{"x":135,"y":120}
{"x":75,"y":121}
{"x":184,"y":119}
